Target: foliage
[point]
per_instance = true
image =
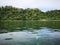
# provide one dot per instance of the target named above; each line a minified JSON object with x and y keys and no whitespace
{"x":10,"y":17}
{"x":12,"y":13}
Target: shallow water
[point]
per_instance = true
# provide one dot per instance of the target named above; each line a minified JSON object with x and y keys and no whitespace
{"x":43,"y":36}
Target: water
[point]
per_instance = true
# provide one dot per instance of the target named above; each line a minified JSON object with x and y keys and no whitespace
{"x":43,"y":36}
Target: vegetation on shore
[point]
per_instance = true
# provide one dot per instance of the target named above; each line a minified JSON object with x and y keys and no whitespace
{"x":12,"y":18}
{"x":12,"y":13}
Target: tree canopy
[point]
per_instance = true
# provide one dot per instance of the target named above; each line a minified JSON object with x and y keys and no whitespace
{"x":13,"y":13}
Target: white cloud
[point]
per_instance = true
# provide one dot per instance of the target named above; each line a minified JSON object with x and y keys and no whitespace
{"x":53,"y":4}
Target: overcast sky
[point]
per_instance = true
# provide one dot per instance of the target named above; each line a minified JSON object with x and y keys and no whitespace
{"x":41,"y":4}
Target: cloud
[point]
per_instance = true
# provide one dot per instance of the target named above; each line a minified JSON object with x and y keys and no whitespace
{"x":41,"y":4}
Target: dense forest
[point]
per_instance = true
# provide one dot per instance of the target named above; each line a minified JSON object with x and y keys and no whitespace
{"x":12,"y":13}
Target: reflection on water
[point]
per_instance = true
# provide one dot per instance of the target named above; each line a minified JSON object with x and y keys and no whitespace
{"x":27,"y":25}
{"x":43,"y":36}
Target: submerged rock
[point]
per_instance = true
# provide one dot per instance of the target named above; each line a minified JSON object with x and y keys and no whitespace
{"x":3,"y":31}
{"x":8,"y":39}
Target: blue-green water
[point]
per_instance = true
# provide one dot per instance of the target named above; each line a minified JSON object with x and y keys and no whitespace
{"x":43,"y":36}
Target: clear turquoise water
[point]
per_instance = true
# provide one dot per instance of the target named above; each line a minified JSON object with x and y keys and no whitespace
{"x":42,"y":36}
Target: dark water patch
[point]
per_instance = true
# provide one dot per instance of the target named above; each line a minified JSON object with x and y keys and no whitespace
{"x":8,"y":38}
{"x":4,"y":31}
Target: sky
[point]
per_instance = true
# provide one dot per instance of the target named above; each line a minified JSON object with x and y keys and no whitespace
{"x":43,"y":5}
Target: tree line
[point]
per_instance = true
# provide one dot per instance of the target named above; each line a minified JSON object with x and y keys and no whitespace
{"x":13,"y":13}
